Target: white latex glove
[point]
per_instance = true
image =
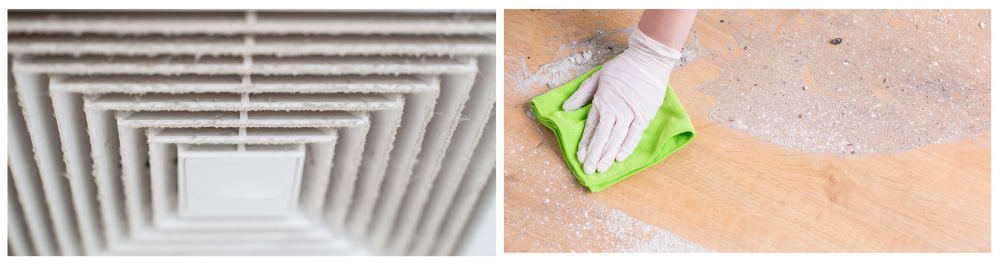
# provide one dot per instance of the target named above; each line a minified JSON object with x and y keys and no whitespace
{"x":626,"y":94}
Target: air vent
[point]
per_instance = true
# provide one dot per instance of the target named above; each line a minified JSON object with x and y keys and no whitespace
{"x":247,"y":133}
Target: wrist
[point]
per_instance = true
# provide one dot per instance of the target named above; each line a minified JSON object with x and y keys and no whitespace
{"x":651,"y":57}
{"x":655,"y":50}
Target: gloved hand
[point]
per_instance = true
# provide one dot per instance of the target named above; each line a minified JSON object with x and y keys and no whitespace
{"x":626,"y":94}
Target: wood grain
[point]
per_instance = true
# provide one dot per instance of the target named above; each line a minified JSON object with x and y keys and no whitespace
{"x":728,"y":190}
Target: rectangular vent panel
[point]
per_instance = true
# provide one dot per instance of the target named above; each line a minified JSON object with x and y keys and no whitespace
{"x":374,"y":130}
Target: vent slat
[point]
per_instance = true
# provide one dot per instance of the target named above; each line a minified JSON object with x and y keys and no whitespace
{"x":461,"y":151}
{"x":24,"y":171}
{"x":481,"y":167}
{"x":37,"y":108}
{"x":347,"y":164}
{"x":379,"y":143}
{"x":314,"y":234}
{"x":18,"y":239}
{"x":293,"y":119}
{"x":103,"y":131}
{"x":162,"y":175}
{"x":250,"y":23}
{"x":403,"y":83}
{"x":262,"y":65}
{"x":316,"y":177}
{"x":76,"y":150}
{"x":141,"y":84}
{"x":336,"y":246}
{"x":231,"y":135}
{"x":404,"y":198}
{"x":171,"y":222}
{"x":257,"y":102}
{"x":281,"y":45}
{"x":481,"y":220}
{"x":417,"y":114}
{"x":135,"y":179}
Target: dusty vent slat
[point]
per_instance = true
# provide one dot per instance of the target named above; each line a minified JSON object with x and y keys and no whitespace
{"x":337,"y":246}
{"x":47,"y":152}
{"x":232,"y":135}
{"x":281,"y":45}
{"x":24,"y":171}
{"x":476,"y":118}
{"x":411,"y":123}
{"x":290,"y":119}
{"x":18,"y":240}
{"x":261,"y":64}
{"x":482,"y":217}
{"x":251,"y":22}
{"x":180,"y":239}
{"x":72,"y":125}
{"x":347,"y":164}
{"x":161,"y":167}
{"x":134,"y":178}
{"x":170,"y":223}
{"x":476,"y":175}
{"x":316,"y":178}
{"x":428,"y":147}
{"x":103,"y":131}
{"x":256,"y":102}
{"x":466,"y":126}
{"x":178,"y":84}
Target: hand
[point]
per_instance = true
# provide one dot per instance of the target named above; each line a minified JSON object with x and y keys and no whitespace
{"x":627,"y":92}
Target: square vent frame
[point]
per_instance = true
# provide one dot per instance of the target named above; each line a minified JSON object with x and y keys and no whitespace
{"x":80,"y":148}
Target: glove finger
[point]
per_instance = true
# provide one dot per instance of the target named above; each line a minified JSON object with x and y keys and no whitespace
{"x":584,"y":94}
{"x":588,"y":133}
{"x":597,"y":144}
{"x":615,"y":140}
{"x":631,"y":141}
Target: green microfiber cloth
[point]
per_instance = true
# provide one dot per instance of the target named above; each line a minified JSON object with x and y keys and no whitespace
{"x":670,"y":130}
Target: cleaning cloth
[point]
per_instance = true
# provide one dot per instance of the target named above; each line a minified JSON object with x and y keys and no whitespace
{"x":670,"y":130}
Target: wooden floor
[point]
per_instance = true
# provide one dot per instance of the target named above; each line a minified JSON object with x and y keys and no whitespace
{"x":731,"y":191}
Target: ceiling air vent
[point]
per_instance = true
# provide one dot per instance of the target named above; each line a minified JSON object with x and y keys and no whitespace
{"x":248,"y":133}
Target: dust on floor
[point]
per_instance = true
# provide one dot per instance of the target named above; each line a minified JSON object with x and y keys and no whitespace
{"x":583,"y":224}
{"x":900,"y":79}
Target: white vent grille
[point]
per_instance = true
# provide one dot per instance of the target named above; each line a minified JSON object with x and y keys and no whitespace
{"x":394,"y":111}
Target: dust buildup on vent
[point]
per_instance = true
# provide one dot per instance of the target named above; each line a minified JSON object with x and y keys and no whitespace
{"x":358,"y":92}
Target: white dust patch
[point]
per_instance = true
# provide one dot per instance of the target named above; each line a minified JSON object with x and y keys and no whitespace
{"x":598,"y":49}
{"x":882,"y":90}
{"x":653,"y":239}
{"x":691,"y":49}
{"x":554,"y":213}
